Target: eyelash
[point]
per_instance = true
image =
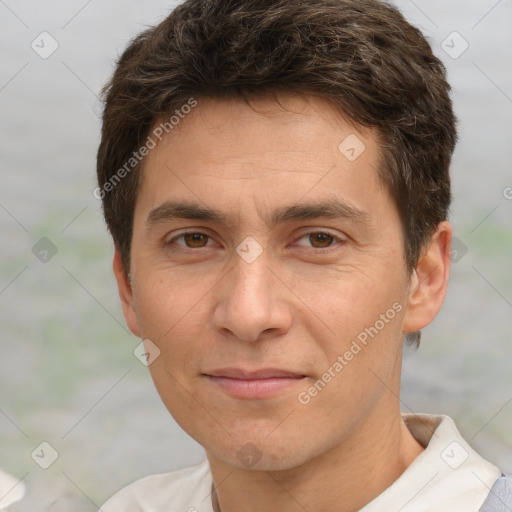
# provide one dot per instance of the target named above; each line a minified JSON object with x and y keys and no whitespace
{"x":336,"y":240}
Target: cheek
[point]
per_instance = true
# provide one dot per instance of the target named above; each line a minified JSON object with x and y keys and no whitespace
{"x":345,"y":302}
{"x":173,"y":316}
{"x":162,"y":300}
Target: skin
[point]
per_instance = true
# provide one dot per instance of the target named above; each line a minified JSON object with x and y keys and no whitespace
{"x":297,"y":306}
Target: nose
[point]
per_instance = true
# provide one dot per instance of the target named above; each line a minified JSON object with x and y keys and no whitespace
{"x":253,"y":301}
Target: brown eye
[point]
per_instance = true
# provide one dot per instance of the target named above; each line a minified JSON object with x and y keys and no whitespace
{"x":322,"y":239}
{"x":195,"y":240}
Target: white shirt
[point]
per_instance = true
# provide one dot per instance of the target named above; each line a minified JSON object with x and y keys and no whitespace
{"x":447,"y":476}
{"x":11,"y":489}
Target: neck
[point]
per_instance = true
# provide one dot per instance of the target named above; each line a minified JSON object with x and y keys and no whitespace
{"x":345,"y":479}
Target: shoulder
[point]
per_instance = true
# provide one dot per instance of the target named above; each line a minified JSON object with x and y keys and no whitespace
{"x":185,"y":489}
{"x":500,"y":497}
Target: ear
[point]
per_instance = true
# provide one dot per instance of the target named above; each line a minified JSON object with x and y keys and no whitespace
{"x":125,"y":294}
{"x":429,"y":280}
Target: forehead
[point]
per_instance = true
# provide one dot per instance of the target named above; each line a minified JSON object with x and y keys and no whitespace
{"x":285,"y":124}
{"x":285,"y":152}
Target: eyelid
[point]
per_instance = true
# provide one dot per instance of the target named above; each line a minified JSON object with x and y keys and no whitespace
{"x":336,"y":237}
{"x":187,"y":232}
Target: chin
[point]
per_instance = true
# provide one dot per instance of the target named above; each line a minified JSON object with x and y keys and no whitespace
{"x":261,"y":454}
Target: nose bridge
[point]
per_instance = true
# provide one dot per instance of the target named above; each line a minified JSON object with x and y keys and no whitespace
{"x":252,"y":280}
{"x":250,"y":299}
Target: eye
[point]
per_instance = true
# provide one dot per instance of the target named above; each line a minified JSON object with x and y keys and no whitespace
{"x":320,"y":239}
{"x":192,"y":240}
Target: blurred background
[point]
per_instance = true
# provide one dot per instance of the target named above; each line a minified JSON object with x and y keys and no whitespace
{"x":68,"y":375}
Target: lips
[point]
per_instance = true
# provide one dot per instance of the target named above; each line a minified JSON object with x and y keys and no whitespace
{"x":257,"y":384}
{"x":266,"y":373}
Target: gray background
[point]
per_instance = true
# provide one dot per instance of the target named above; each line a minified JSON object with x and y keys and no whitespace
{"x":68,"y":375}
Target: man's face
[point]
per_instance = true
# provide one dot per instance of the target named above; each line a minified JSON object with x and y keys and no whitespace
{"x":269,"y":288}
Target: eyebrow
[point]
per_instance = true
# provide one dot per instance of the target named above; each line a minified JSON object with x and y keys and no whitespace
{"x":330,"y":208}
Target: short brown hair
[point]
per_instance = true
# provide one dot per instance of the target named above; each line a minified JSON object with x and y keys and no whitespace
{"x":362,"y":55}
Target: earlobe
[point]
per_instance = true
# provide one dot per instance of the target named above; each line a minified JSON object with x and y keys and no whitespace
{"x":429,"y":280}
{"x":125,"y":294}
